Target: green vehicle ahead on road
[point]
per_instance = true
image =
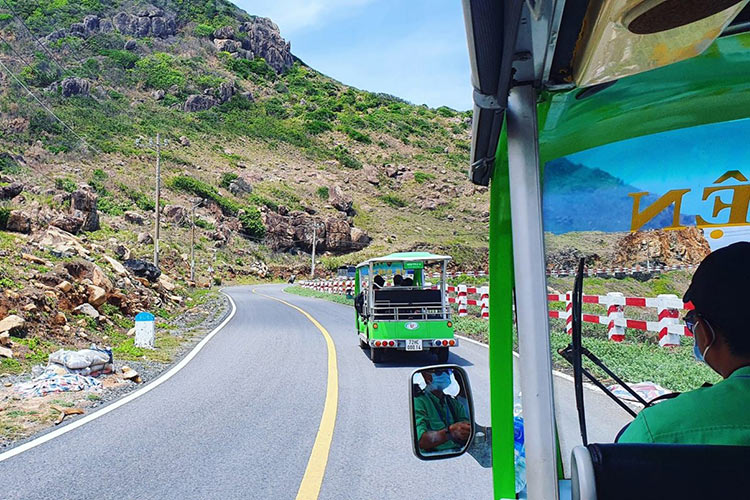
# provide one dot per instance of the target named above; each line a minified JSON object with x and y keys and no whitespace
{"x":412,"y":316}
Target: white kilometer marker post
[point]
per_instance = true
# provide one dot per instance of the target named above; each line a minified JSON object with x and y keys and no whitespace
{"x":144,"y":330}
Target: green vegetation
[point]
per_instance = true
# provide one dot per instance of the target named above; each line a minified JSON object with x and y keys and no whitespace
{"x":206,"y":191}
{"x":4,"y":214}
{"x":422,"y":177}
{"x":158,"y":71}
{"x":322,"y":192}
{"x":252,"y":225}
{"x":66,"y":184}
{"x":125,"y":59}
{"x":227,"y":178}
{"x":393,"y":200}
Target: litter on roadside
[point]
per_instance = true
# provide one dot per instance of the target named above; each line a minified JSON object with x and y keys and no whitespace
{"x":646,"y":390}
{"x":50,"y":382}
{"x":90,"y":362}
{"x":64,"y":412}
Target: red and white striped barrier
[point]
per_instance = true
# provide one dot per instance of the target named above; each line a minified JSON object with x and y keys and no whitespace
{"x":332,"y":286}
{"x":668,"y":326}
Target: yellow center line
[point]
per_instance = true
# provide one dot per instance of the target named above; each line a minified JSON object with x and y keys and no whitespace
{"x":309,"y":489}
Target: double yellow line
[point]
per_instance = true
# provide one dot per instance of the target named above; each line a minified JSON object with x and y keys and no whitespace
{"x":309,"y":489}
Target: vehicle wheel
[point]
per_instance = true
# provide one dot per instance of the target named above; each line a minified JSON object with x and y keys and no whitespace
{"x":376,"y":355}
{"x":363,"y":344}
{"x":442,"y":355}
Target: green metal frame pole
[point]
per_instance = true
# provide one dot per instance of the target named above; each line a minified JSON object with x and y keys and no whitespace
{"x":501,"y":329}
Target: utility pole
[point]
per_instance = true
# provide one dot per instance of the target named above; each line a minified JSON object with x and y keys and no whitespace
{"x":314,"y":244}
{"x":157,"y":147}
{"x":192,"y":239}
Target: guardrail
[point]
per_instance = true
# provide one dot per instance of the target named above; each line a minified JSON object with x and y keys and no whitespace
{"x":668,"y":307}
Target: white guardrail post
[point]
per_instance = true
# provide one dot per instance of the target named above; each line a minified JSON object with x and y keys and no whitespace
{"x":462,"y":305}
{"x":569,"y":313}
{"x":668,"y":315}
{"x":484,"y":301}
{"x":615,"y":310}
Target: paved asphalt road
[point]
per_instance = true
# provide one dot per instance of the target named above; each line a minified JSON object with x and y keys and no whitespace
{"x":239,"y":421}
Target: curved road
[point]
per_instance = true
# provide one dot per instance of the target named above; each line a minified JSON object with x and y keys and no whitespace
{"x":239,"y":421}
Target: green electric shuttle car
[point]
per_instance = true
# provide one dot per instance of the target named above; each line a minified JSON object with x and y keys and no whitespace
{"x":593,"y":115}
{"x":411,"y":316}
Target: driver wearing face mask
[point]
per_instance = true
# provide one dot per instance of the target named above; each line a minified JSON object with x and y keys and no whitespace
{"x":442,"y":421}
{"x":717,"y":415}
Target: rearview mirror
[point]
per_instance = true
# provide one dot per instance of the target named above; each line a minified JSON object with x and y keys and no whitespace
{"x":442,"y":412}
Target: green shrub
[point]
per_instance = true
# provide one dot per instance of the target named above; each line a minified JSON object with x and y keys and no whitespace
{"x":142,"y":201}
{"x":4,"y":214}
{"x":256,"y":70}
{"x":202,"y":223}
{"x":203,"y":30}
{"x":159,"y":71}
{"x":357,"y":135}
{"x":110,"y":206}
{"x":317,"y":127}
{"x":199,"y":188}
{"x":8,"y":165}
{"x":422,"y":177}
{"x":227,"y":178}
{"x":322,"y":192}
{"x":393,"y":200}
{"x":446,"y":112}
{"x":122,"y":58}
{"x":66,"y":184}
{"x":346,"y":159}
{"x":259,"y":200}
{"x":252,"y":224}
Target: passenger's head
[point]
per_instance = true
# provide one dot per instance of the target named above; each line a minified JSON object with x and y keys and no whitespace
{"x":719,"y":293}
{"x":398,"y":280}
{"x":407,"y":282}
{"x":378,"y":281}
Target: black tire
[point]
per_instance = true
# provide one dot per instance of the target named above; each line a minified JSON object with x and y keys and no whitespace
{"x":376,"y":355}
{"x":442,"y":355}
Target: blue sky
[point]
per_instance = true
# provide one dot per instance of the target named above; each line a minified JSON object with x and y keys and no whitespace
{"x":413,"y":49}
{"x":692,"y":158}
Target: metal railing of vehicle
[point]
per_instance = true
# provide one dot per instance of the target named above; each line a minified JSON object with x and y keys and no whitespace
{"x":384,"y":311}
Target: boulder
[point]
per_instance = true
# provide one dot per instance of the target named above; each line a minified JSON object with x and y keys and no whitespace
{"x":130,"y":45}
{"x":371,"y":175}
{"x":84,"y":200}
{"x":184,"y":141}
{"x":6,"y":352}
{"x":157,"y":95}
{"x":143,"y":269}
{"x":11,"y":190}
{"x":100,"y":279}
{"x":96,"y":295}
{"x":264,"y":40}
{"x":338,"y":235}
{"x":340,"y":200}
{"x":91,"y":24}
{"x":226,"y":32}
{"x":19,"y":222}
{"x":75,"y":86}
{"x":59,"y":319}
{"x":144,"y":239}
{"x":240,"y":186}
{"x":167,"y":283}
{"x":175,"y":214}
{"x":64,"y":286}
{"x":122,"y":252}
{"x":61,"y":243}
{"x":12,"y":323}
{"x":87,"y":310}
{"x":118,"y":268}
{"x":78,"y":29}
{"x":360,"y":239}
{"x":226,"y":91}
{"x":71,"y":223}
{"x":5,"y":338}
{"x":199,"y":102}
{"x":134,"y":218}
{"x":223,"y":45}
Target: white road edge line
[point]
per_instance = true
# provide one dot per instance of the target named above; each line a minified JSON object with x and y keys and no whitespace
{"x":560,"y":374}
{"x":130,"y":397}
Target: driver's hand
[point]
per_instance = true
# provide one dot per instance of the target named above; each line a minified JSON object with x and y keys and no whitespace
{"x":460,"y":430}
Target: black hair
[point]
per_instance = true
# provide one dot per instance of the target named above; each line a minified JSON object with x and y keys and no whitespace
{"x":378,"y":280}
{"x":734,"y":333}
{"x":397,"y":279}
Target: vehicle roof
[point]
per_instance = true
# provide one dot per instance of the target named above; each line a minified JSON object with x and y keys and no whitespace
{"x":406,"y":257}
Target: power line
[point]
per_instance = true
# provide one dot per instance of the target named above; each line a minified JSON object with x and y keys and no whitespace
{"x":48,"y":110}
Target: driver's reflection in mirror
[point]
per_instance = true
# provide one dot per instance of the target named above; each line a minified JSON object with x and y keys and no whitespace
{"x":440,"y":411}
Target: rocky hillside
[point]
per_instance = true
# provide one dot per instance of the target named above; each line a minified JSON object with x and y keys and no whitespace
{"x":276,"y":150}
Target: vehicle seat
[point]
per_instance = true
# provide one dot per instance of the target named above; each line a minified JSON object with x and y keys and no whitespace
{"x":660,"y":472}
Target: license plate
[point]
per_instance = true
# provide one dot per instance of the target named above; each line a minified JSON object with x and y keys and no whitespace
{"x":414,"y":344}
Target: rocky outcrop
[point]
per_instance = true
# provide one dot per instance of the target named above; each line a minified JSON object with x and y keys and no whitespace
{"x":175,"y":214}
{"x":75,"y":86}
{"x":225,"y":45}
{"x":294,"y":232}
{"x":340,"y":200}
{"x":71,"y":223}
{"x":150,"y":22}
{"x":83,"y":203}
{"x":19,"y":222}
{"x":663,"y":248}
{"x":199,"y":102}
{"x":263,"y":39}
{"x":11,"y":190}
{"x":240,"y":186}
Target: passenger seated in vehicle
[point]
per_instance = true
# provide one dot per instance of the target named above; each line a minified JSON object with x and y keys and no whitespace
{"x":398,"y":280}
{"x":407,"y":282}
{"x":716,"y":415}
{"x":378,"y":282}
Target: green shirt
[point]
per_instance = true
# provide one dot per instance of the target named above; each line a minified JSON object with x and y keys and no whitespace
{"x":434,"y":414}
{"x":718,"y":415}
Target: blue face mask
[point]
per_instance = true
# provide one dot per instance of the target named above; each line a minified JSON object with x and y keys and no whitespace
{"x":697,"y":352}
{"x":440,"y":381}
